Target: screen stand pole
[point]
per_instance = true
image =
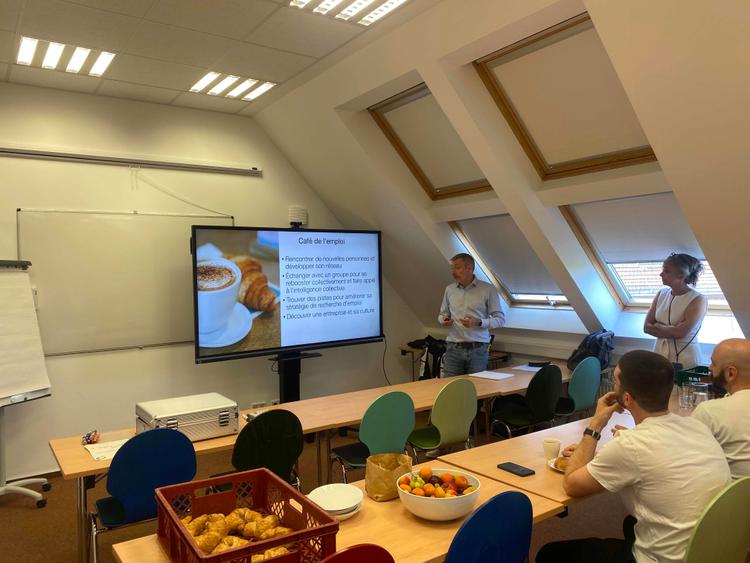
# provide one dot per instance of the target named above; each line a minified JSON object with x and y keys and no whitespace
{"x":290,"y":366}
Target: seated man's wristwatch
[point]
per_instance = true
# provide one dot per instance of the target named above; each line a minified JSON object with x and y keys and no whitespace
{"x":593,"y":433}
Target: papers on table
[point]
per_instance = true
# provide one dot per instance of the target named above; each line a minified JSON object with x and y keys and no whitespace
{"x":104,"y":450}
{"x":496,"y":375}
{"x":525,"y":368}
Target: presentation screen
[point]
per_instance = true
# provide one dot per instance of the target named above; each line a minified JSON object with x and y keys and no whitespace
{"x":260,"y":290}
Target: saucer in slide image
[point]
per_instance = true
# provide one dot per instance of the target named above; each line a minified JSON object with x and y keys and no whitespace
{"x":240,"y":323}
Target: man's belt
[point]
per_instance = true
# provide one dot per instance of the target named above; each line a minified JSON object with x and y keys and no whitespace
{"x":468,"y":344}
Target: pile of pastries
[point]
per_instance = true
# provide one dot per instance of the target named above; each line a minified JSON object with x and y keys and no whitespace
{"x":215,"y":533}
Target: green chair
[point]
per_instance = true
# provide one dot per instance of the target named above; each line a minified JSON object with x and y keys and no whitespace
{"x":450,"y":420}
{"x":273,"y":440}
{"x":385,"y":426}
{"x":582,"y":388}
{"x":723,"y":530}
{"x":515,"y":412}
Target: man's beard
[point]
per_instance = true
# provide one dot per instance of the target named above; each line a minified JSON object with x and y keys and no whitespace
{"x":720,"y":379}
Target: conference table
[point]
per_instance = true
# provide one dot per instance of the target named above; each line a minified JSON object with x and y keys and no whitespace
{"x":389,"y":524}
{"x":318,"y":416}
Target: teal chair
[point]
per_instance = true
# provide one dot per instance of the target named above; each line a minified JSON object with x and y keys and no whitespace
{"x":582,"y":388}
{"x":450,"y":420}
{"x":385,"y":426}
{"x":723,"y":530}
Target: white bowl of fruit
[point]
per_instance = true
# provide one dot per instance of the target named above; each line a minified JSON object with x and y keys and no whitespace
{"x":438,"y":494}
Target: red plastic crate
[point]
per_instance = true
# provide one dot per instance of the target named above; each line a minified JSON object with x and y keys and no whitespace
{"x":314,"y":537}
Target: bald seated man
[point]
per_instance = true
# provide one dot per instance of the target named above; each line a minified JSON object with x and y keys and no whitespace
{"x":729,"y":418}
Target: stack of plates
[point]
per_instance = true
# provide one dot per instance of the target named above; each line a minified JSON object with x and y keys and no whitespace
{"x":338,"y":499}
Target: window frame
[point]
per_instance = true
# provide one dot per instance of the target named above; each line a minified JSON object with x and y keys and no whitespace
{"x":610,"y":278}
{"x":509,"y":297}
{"x":550,"y":171}
{"x":378,"y":113}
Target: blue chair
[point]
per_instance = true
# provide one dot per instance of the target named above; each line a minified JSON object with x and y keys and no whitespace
{"x":147,"y":461}
{"x":385,"y":426}
{"x":582,"y":388}
{"x":499,"y":531}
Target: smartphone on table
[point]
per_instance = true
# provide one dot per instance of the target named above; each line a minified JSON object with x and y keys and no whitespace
{"x":516,"y":469}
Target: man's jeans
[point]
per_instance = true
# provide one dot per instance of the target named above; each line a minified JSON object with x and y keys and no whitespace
{"x":460,"y":361}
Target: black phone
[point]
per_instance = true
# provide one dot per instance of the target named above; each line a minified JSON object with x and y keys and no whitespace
{"x":539,"y":364}
{"x":516,"y":469}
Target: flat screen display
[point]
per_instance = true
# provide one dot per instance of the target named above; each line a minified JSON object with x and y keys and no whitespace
{"x":260,"y":290}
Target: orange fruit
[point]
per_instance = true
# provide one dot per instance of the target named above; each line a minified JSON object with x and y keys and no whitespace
{"x":405,"y":487}
{"x":461,"y":482}
{"x":439,"y":492}
{"x":429,"y":489}
{"x":405,"y":480}
{"x":419,"y":492}
{"x":446,"y":478}
{"x":425,"y":473}
{"x":468,"y":490}
{"x":450,"y":493}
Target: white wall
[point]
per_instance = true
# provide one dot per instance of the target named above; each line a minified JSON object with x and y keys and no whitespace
{"x":100,"y":390}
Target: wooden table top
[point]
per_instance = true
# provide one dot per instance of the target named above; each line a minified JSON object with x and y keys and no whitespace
{"x":527,"y":450}
{"x":405,"y":536}
{"x":317,"y":414}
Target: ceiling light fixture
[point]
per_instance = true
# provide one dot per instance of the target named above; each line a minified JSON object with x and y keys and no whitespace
{"x":242,"y":87}
{"x":299,"y":3}
{"x":353,"y":9}
{"x":52,"y":56}
{"x":205,"y":81}
{"x":223,"y":85}
{"x":101,"y":63}
{"x":76,"y":61}
{"x":381,"y":11}
{"x":259,"y":91}
{"x":26,"y":50}
{"x":326,"y":6}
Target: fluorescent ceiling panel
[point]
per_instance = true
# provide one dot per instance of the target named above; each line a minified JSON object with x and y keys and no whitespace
{"x":101,"y":64}
{"x":326,"y":6}
{"x":26,"y":50}
{"x":78,"y":59}
{"x":223,"y":85}
{"x":352,"y":9}
{"x":205,"y":81}
{"x":249,"y":83}
{"x":259,"y":91}
{"x":381,"y":11}
{"x":52,"y":56}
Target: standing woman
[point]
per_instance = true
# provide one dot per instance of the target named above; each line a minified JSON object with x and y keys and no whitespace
{"x":677,"y":312}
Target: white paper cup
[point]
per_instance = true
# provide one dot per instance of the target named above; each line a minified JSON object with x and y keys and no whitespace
{"x":551,"y":447}
{"x":216,"y":305}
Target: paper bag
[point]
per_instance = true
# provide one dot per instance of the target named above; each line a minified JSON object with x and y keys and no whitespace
{"x":381,"y":474}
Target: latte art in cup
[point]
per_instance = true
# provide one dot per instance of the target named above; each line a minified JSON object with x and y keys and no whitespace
{"x":214,"y":276}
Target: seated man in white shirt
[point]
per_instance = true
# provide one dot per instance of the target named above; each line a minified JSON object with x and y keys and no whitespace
{"x":728,"y":419}
{"x":666,"y":469}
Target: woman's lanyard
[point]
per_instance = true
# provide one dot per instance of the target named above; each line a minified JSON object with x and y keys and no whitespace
{"x":674,"y":340}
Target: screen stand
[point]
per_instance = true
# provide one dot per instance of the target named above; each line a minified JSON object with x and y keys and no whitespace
{"x":290,"y":366}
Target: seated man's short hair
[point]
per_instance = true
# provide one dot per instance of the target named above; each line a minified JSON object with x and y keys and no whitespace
{"x":648,"y":377}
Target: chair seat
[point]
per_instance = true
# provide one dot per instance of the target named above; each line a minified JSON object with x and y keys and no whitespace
{"x":354,"y":455}
{"x":565,"y":406}
{"x":512,"y":410}
{"x":111,"y":512}
{"x":427,"y":438}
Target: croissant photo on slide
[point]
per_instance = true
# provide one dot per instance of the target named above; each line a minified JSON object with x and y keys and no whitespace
{"x":251,"y":321}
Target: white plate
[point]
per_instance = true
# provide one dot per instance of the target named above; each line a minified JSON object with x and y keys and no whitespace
{"x":337,"y":497}
{"x":551,"y":465}
{"x":240,"y":323}
{"x":347,"y":515}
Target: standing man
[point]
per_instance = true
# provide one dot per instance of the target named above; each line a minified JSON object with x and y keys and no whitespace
{"x":470,"y":308}
{"x":666,"y":469}
{"x":728,"y":419}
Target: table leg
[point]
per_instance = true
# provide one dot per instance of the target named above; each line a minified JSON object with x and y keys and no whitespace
{"x":487,"y":407}
{"x":319,"y":459}
{"x":328,"y":456}
{"x":84,"y":529}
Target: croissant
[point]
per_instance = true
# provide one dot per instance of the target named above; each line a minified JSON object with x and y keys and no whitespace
{"x":254,"y":291}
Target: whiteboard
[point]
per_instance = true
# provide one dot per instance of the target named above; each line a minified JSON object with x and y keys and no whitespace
{"x":110,"y":279}
{"x":23,"y":373}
